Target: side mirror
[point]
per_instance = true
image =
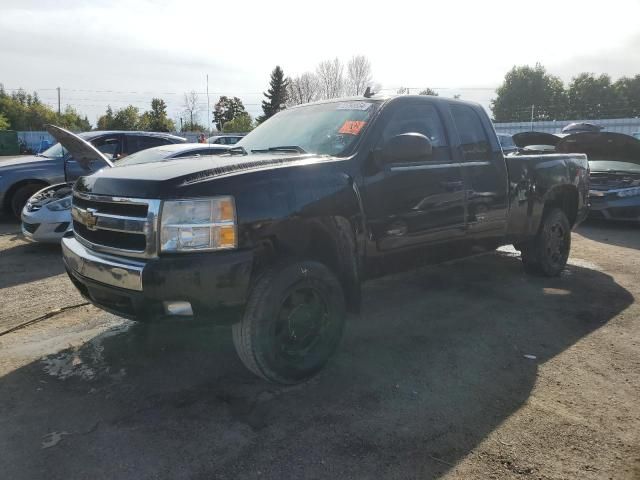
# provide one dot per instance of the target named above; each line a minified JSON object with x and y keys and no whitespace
{"x":406,"y":147}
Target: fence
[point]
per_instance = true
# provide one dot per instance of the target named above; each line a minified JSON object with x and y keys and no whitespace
{"x":619,"y":125}
{"x":41,"y":140}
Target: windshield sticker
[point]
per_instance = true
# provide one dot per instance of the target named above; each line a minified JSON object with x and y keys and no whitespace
{"x":352,"y":127}
{"x":353,"y":106}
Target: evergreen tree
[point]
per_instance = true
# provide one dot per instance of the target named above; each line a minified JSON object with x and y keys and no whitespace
{"x":276,"y":95}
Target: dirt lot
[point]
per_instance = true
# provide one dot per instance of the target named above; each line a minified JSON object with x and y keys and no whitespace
{"x":467,"y":370}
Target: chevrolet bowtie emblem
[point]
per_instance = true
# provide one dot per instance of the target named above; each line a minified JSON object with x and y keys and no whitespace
{"x":87,"y":217}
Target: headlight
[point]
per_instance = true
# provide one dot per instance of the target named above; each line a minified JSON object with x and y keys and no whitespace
{"x":188,"y":225}
{"x":59,"y":205}
{"x":629,"y":192}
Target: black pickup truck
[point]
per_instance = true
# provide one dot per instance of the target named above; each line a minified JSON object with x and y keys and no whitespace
{"x":277,"y":236}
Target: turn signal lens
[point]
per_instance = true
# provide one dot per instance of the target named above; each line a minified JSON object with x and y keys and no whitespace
{"x":226,"y":210}
{"x":227,"y":237}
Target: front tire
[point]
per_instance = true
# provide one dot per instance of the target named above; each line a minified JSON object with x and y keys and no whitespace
{"x":547,"y":253}
{"x":293,"y":322}
{"x":20,"y":197}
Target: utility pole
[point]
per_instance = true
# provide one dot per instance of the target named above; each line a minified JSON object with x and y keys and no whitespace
{"x":208,"y":108}
{"x":532,"y":110}
{"x":59,"y":113}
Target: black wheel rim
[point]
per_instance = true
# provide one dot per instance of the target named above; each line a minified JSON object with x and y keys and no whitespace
{"x":302,"y":323}
{"x":556,"y":243}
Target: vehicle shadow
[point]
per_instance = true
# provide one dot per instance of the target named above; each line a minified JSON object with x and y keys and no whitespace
{"x":27,"y":262}
{"x":433,"y":364}
{"x":613,"y":233}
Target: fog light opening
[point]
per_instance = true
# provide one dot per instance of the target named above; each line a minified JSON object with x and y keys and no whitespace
{"x":179,"y":308}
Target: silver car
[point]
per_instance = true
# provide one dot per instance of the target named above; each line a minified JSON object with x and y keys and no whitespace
{"x":47,"y":216}
{"x":224,"y":139}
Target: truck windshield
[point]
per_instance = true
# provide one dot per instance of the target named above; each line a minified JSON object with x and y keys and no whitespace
{"x":323,"y":129}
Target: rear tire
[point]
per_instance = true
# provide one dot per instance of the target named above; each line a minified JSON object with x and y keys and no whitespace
{"x":292,"y":324}
{"x":20,"y":197}
{"x":547,"y":253}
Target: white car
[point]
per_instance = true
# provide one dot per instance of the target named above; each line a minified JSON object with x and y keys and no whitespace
{"x":224,"y":139}
{"x":47,"y":215}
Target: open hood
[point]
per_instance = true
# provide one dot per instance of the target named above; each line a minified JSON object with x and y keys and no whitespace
{"x":524,"y":139}
{"x":81,"y":150}
{"x":602,"y":146}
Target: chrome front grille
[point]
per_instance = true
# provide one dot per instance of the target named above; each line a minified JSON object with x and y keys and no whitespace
{"x":116,"y":225}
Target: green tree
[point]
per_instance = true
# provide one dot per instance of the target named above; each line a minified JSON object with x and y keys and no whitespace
{"x":526,"y":88}
{"x":4,"y":122}
{"x":25,"y":111}
{"x":276,"y":95}
{"x":226,"y":110}
{"x":592,"y":97}
{"x":105,"y":122}
{"x":193,"y":127}
{"x":156,"y":119}
{"x":628,"y":94}
{"x":126,"y":118}
{"x":71,"y":120}
{"x":241,"y":123}
{"x":428,"y":91}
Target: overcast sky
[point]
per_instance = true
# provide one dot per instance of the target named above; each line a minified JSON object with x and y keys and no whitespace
{"x":139,"y":49}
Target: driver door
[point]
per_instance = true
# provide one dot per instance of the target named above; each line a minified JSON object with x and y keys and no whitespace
{"x":413,"y":204}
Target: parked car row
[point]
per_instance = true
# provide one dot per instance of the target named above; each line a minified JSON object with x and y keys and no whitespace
{"x":614,"y":163}
{"x":21,"y":178}
{"x":47,"y":215}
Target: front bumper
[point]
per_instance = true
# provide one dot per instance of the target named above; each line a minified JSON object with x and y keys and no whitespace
{"x":608,"y":206}
{"x":45,"y":225}
{"x":214,"y":284}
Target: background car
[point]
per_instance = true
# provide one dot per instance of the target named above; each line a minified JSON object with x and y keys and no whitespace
{"x":224,"y":139}
{"x":21,"y":177}
{"x":507,"y":144}
{"x":614,"y":163}
{"x":47,"y":216}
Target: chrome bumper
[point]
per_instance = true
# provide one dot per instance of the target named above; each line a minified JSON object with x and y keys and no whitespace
{"x":102,"y":268}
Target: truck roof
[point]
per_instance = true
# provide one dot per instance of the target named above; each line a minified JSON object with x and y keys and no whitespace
{"x":388,"y":98}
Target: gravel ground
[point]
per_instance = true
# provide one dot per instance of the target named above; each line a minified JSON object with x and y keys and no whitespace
{"x":466,"y":370}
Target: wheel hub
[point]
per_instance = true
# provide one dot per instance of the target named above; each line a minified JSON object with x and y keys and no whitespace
{"x":303,"y":317}
{"x":556,"y":244}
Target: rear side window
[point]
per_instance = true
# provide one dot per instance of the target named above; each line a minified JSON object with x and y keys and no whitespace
{"x":110,"y":146}
{"x":419,"y":118}
{"x":475,"y":144}
{"x":135,"y":143}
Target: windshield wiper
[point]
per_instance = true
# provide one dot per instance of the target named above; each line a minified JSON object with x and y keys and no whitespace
{"x":237,"y":149}
{"x":283,"y":148}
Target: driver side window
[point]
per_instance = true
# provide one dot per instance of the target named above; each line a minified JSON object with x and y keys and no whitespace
{"x":419,"y":118}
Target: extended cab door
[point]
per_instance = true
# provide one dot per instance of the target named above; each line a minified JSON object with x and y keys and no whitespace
{"x":415,"y":203}
{"x":484,"y":172}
